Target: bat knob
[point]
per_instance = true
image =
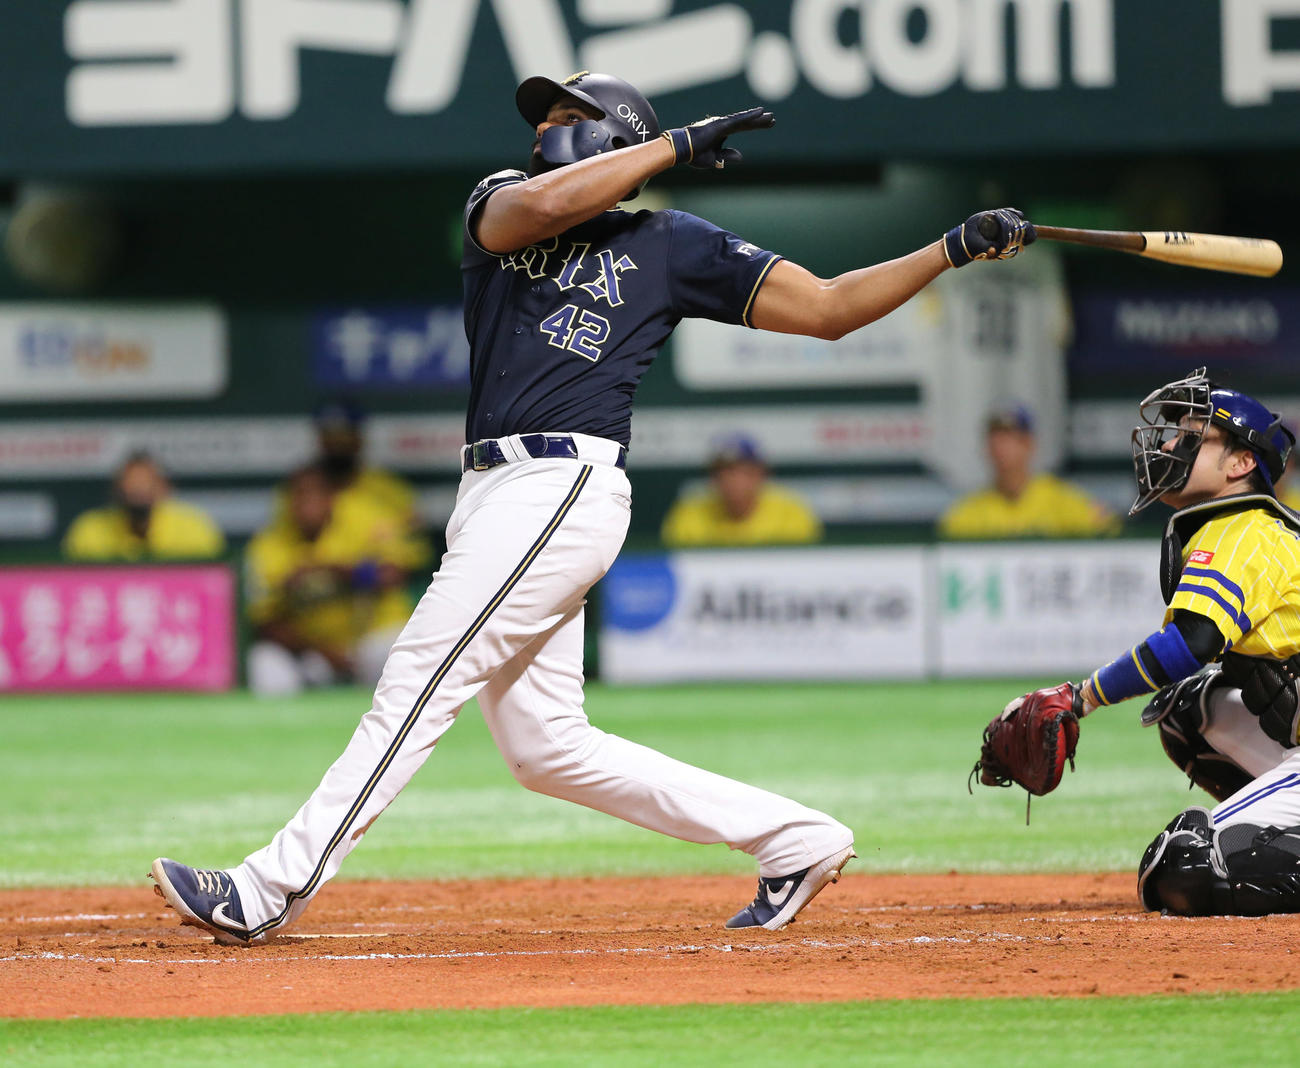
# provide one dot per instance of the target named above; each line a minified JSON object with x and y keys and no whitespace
{"x":988,"y":227}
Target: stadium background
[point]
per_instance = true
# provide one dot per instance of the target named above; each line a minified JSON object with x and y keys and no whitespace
{"x":290,"y":193}
{"x":287,"y":223}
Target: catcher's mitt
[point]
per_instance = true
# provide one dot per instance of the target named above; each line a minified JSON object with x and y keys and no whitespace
{"x":1030,"y":742}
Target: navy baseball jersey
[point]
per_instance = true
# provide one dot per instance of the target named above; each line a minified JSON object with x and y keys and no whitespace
{"x":561,"y":332}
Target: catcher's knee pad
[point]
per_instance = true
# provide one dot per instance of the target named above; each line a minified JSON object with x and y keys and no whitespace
{"x":1181,"y":711}
{"x":1181,"y":870}
{"x":1193,"y":869}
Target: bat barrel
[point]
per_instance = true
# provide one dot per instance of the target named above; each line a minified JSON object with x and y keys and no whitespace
{"x":1215,"y":252}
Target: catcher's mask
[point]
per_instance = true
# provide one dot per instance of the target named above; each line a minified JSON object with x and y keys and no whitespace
{"x":626,"y":118}
{"x":1174,"y":420}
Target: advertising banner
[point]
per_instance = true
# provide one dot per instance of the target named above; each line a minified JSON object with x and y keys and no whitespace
{"x":176,"y":86}
{"x":665,"y":437}
{"x":1043,"y":608}
{"x":820,"y":434}
{"x":987,"y":610}
{"x":117,"y":628}
{"x":1247,"y":335}
{"x":764,"y":614}
{"x":709,"y":355}
{"x":86,"y":352}
{"x":26,"y":515}
{"x":391,"y":348}
{"x":204,"y":448}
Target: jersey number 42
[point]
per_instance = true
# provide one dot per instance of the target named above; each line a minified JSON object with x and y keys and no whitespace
{"x":579,"y":331}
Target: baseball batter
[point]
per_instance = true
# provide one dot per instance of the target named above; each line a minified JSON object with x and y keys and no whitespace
{"x":1226,"y":659}
{"x":567,"y":301}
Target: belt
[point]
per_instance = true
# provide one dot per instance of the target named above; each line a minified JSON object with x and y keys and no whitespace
{"x":486,"y":454}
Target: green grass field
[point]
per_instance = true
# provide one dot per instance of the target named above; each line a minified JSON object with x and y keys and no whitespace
{"x":1240,"y":1029}
{"x":94,"y":787}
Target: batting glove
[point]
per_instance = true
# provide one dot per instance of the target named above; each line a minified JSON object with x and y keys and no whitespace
{"x":988,"y":235}
{"x":701,"y":143}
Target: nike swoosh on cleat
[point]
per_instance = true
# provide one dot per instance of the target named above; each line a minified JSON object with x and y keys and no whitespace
{"x":779,"y":898}
{"x":219,"y":917}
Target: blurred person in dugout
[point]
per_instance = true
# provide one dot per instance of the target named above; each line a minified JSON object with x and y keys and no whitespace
{"x":741,"y":505}
{"x":1023,"y":503}
{"x":340,"y":442}
{"x":143,"y":522}
{"x":327,"y":588}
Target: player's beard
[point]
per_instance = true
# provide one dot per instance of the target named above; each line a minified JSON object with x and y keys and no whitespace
{"x":537,"y":164}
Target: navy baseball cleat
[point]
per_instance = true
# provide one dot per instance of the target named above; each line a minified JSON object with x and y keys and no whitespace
{"x":779,"y":899}
{"x":205,"y":899}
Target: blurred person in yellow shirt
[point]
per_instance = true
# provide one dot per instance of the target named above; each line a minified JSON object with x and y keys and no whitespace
{"x":741,"y":506}
{"x":360,"y":492}
{"x":326,"y":589}
{"x":144,"y":522}
{"x":340,"y":442}
{"x":1022,"y":503}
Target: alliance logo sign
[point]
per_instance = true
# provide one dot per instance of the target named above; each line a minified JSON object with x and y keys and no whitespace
{"x":805,"y":613}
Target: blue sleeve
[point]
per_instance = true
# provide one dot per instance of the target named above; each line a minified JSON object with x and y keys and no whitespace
{"x":472,"y":249}
{"x":713,"y":274}
{"x":1163,"y":658}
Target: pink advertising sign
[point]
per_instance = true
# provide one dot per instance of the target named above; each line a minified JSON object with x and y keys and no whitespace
{"x":117,"y":628}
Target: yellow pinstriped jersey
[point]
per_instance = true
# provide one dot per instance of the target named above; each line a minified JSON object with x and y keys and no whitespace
{"x":1242,"y":571}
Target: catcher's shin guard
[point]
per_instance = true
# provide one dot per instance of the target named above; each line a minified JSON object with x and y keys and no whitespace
{"x":1263,"y":868}
{"x":1181,"y":871}
{"x":1181,"y":711}
{"x":1192,"y":869}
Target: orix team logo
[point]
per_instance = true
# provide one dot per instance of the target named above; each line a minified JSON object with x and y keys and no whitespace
{"x":1199,"y":556}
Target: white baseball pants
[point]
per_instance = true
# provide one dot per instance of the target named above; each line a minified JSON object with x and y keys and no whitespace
{"x":503,"y":619}
{"x":1273,"y":799}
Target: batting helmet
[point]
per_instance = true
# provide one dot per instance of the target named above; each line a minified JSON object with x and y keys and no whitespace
{"x":626,"y":117}
{"x":1176,"y":415}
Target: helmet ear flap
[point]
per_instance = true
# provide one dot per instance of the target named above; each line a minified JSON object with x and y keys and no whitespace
{"x":568,"y":144}
{"x":1283,"y":441}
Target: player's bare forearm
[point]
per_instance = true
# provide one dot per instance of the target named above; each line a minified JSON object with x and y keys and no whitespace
{"x":548,"y":204}
{"x":795,"y":301}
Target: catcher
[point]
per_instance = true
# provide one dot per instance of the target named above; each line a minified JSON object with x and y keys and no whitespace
{"x":1223,"y":666}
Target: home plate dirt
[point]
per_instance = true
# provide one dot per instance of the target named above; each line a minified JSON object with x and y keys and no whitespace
{"x":536,"y":942}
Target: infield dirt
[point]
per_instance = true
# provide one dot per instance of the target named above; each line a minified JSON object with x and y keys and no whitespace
{"x":119,"y":952}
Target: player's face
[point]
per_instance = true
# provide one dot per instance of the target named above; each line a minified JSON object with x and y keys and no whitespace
{"x":310,"y":503}
{"x":141,"y":486}
{"x":1217,"y":469}
{"x":739,"y":485}
{"x":566,"y":111}
{"x":1010,"y":451}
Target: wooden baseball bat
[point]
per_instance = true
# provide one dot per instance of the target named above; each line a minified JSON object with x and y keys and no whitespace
{"x":1212,"y":252}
